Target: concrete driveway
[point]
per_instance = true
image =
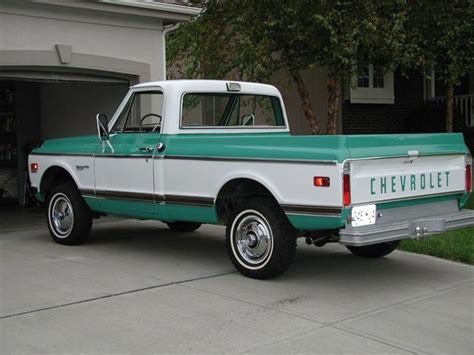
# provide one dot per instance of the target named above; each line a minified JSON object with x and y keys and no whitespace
{"x":137,"y":287}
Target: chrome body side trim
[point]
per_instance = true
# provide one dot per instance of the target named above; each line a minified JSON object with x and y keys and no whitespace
{"x":64,"y":154}
{"x":189,"y":200}
{"x":124,"y":156}
{"x":144,"y":197}
{"x":312,"y":210}
{"x":243,"y":159}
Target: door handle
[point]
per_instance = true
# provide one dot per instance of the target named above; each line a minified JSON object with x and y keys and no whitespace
{"x":160,"y":148}
{"x":146,"y":149}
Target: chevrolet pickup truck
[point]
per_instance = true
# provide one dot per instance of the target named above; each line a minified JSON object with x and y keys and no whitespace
{"x":193,"y":152}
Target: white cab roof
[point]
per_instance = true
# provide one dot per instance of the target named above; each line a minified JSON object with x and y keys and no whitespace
{"x":174,"y":90}
{"x":209,"y":85}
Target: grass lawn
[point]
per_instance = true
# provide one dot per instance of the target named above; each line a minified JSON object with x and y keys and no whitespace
{"x":456,"y":245}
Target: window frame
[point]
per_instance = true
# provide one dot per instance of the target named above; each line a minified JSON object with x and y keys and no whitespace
{"x":273,"y":98}
{"x":128,"y":107}
{"x":371,"y":94}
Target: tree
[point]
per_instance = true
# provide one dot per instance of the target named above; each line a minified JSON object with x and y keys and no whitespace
{"x":441,"y":36}
{"x":252,"y":40}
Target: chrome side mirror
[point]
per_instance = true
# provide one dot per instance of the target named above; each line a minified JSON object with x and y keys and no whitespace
{"x":102,"y":126}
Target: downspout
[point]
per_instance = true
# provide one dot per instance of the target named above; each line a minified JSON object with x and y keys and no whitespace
{"x":166,"y":30}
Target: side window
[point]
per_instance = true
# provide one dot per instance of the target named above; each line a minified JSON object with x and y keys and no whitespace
{"x":231,"y":110}
{"x":142,"y":113}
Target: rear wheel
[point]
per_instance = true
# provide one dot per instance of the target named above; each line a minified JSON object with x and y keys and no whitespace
{"x":375,"y":250}
{"x":69,"y":217}
{"x":259,"y":238}
{"x":184,"y":226}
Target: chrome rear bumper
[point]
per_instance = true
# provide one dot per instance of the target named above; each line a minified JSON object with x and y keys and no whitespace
{"x":408,"y":222}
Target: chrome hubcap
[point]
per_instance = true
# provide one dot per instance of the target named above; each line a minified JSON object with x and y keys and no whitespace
{"x":62,"y":217}
{"x":253,"y":239}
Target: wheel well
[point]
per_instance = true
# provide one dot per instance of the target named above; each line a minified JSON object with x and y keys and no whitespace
{"x":234,"y":192}
{"x":52,"y":177}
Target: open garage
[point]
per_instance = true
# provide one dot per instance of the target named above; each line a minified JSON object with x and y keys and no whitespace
{"x":62,"y":62}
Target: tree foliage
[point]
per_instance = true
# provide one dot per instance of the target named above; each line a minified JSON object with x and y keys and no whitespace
{"x":251,"y":40}
{"x":441,"y":37}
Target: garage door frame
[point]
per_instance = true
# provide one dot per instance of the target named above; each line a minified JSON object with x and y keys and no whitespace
{"x":88,"y":64}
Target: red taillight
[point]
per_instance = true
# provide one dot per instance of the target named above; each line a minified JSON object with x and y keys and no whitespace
{"x":468,"y":178}
{"x":34,"y":167}
{"x":347,"y":190}
{"x":321,"y":181}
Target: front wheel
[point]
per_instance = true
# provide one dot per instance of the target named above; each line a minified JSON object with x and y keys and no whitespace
{"x":260,"y":240}
{"x":69,"y":217}
{"x":374,"y":250}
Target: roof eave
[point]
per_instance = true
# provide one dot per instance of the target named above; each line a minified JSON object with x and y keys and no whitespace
{"x":152,"y":5}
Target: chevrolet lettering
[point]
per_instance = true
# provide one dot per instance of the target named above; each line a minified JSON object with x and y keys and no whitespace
{"x":191,"y":152}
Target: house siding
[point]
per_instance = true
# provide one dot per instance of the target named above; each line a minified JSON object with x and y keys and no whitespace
{"x":384,"y":118}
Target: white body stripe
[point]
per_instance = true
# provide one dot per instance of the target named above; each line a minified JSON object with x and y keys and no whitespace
{"x":124,"y":174}
{"x":289,"y":183}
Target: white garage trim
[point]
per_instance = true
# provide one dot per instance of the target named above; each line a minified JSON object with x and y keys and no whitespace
{"x":104,"y":66}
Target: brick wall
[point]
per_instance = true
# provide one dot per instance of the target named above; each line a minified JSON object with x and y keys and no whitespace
{"x":383,"y":118}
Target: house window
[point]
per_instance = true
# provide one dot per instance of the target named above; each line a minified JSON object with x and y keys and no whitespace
{"x":378,"y":77}
{"x":374,"y":85}
{"x":363,"y":79}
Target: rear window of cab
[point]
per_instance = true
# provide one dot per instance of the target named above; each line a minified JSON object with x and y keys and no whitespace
{"x":220,"y":110}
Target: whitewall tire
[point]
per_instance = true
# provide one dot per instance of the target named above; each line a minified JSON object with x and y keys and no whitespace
{"x":69,"y":217}
{"x":259,"y":238}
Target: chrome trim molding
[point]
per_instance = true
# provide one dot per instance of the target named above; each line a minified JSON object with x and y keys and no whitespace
{"x":348,"y":160}
{"x":145,"y":197}
{"x":124,"y":156}
{"x":259,"y":160}
{"x":427,"y":196}
{"x":312,"y":210}
{"x":189,"y":200}
{"x":87,"y":192}
{"x":65,"y":154}
{"x":125,"y":195}
{"x":190,"y":157}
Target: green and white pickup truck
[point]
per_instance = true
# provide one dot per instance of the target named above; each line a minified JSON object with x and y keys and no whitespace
{"x":192,"y":152}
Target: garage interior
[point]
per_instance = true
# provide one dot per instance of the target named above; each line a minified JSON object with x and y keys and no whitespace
{"x":35,"y":106}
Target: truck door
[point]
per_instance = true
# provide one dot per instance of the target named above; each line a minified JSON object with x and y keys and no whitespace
{"x":124,"y":171}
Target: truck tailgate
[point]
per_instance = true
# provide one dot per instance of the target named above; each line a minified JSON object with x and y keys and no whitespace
{"x":374,"y":180}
